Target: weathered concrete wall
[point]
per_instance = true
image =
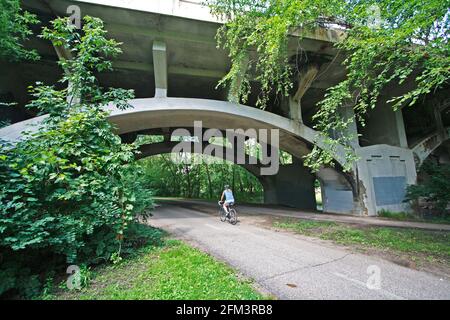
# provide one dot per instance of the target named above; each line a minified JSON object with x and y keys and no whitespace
{"x":293,"y":186}
{"x":384,"y":126}
{"x":384,"y":172}
{"x":337,"y":193}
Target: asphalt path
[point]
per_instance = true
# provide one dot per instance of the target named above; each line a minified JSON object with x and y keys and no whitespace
{"x":296,"y":267}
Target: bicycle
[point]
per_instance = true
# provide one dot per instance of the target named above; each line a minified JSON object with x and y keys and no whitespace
{"x":231,"y":217}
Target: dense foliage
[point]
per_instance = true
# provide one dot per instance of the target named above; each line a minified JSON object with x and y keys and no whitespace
{"x":199,"y":179}
{"x":386,"y":42}
{"x":67,"y":194}
{"x":14,"y":29}
{"x":432,"y":192}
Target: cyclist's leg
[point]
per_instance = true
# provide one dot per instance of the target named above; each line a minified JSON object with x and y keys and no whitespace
{"x":225,"y":207}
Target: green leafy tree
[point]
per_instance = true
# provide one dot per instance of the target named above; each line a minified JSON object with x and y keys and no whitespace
{"x":14,"y":30}
{"x":434,"y":188}
{"x":409,"y":40}
{"x":202,"y":177}
{"x":65,"y":191}
{"x":15,"y":26}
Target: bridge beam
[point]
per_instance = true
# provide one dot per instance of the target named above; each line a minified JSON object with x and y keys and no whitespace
{"x":439,"y":123}
{"x":347,"y":113}
{"x":235,"y":86}
{"x":427,"y":146}
{"x":306,"y":78}
{"x":64,"y":54}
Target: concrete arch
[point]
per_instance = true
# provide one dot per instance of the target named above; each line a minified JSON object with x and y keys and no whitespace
{"x":149,"y":113}
{"x":426,"y":146}
{"x":165,"y":147}
{"x":292,"y":186}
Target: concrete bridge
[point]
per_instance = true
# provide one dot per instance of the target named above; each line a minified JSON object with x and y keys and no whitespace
{"x":171,"y":61}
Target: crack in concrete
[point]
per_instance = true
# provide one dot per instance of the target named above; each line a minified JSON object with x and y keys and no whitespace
{"x":305,"y":267}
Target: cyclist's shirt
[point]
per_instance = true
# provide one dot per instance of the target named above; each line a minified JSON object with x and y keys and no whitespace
{"x":229,"y":196}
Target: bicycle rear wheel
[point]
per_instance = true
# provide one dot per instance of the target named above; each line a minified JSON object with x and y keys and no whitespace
{"x":233,"y":216}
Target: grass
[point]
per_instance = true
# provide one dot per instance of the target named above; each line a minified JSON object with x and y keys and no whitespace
{"x":405,"y":216}
{"x":431,"y":245}
{"x":171,"y":272}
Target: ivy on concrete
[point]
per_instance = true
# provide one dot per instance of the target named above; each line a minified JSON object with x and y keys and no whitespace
{"x":386,"y":42}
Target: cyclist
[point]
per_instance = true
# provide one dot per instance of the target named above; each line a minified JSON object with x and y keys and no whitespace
{"x":229,"y":198}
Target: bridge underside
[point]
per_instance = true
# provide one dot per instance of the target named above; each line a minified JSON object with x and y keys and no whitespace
{"x":292,"y":186}
{"x":169,"y":55}
{"x":377,"y":181}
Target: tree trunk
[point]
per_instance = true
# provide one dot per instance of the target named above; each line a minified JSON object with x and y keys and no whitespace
{"x":241,"y":185}
{"x":232,"y":179}
{"x":208,"y":175}
{"x":188,"y":191}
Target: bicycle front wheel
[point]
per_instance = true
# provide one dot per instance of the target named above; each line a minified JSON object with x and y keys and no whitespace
{"x":223,"y":215}
{"x":233,"y":216}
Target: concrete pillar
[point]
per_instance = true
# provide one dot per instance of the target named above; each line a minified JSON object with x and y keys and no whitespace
{"x":293,"y":186}
{"x":439,"y":123}
{"x":347,"y":112}
{"x":233,"y":89}
{"x":65,"y":54}
{"x":337,"y":193}
{"x":306,"y":78}
{"x":295,"y":110}
{"x":385,"y":126}
{"x":400,"y":126}
{"x":160,"y":68}
{"x":383,"y":174}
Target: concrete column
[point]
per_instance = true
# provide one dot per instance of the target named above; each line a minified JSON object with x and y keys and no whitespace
{"x":65,"y":54}
{"x":306,"y":78}
{"x":383,"y":174}
{"x":385,"y":126}
{"x":237,"y":83}
{"x":347,"y":112}
{"x":337,"y":193}
{"x":160,"y":68}
{"x":439,"y":124}
{"x":400,"y":126}
{"x":295,"y":110}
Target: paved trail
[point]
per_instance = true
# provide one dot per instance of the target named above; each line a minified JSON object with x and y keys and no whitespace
{"x":259,"y":210}
{"x":293,"y":267}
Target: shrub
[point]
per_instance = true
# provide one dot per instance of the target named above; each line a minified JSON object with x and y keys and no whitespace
{"x":434,"y":189}
{"x":66,"y":196}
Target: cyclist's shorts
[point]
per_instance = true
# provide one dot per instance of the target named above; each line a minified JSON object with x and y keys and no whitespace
{"x":229,"y":201}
